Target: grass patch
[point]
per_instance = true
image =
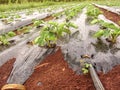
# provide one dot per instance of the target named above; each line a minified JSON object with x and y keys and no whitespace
{"x":9,"y":7}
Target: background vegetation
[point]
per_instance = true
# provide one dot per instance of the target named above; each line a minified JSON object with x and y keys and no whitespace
{"x":23,"y":1}
{"x":8,"y":5}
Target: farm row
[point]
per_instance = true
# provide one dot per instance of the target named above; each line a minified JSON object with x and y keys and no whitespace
{"x":86,"y":37}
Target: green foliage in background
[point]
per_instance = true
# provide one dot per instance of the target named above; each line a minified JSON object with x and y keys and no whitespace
{"x":93,"y":11}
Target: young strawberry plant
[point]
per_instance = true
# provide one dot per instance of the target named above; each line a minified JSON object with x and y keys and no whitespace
{"x":109,"y":31}
{"x":71,"y":13}
{"x":93,"y":11}
{"x":37,"y":23}
{"x":11,"y":34}
{"x":4,"y":38}
{"x":85,"y":66}
{"x":52,"y":31}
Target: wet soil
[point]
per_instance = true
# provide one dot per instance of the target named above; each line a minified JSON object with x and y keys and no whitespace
{"x":5,"y":71}
{"x":111,"y":16}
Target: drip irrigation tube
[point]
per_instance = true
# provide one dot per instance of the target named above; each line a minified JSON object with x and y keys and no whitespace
{"x":97,"y":83}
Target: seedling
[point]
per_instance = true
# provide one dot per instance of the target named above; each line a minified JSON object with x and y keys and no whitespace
{"x":109,"y":31}
{"x":52,"y":31}
{"x":3,"y":40}
{"x":17,"y":16}
{"x":85,"y":66}
{"x":29,"y":12}
{"x":11,"y":34}
{"x":3,"y":15}
{"x":93,"y":12}
{"x":37,"y":23}
{"x":73,"y":12}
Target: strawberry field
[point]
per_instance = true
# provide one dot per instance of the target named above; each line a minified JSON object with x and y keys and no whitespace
{"x":70,"y":45}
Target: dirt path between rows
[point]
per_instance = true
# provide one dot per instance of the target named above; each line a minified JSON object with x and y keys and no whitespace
{"x":111,"y":16}
{"x":5,"y":71}
{"x":54,"y":74}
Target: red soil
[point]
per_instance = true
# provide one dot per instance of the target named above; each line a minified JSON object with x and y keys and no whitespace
{"x":48,"y":18}
{"x":111,"y":80}
{"x":54,"y":74}
{"x":111,"y":16}
{"x":5,"y":71}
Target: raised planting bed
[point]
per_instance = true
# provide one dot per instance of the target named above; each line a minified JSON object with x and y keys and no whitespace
{"x":24,"y":20}
{"x":54,"y":73}
{"x":110,"y":13}
{"x":19,"y":41}
{"x":69,"y":56}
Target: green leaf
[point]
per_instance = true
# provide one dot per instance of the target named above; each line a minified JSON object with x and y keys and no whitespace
{"x":11,"y":34}
{"x":51,"y":37}
{"x":87,"y":65}
{"x":99,"y":33}
{"x":106,"y":33}
{"x":85,"y":71}
{"x":38,"y":22}
{"x":72,"y":25}
{"x":94,"y":21}
{"x":36,"y":41}
{"x":53,"y":23}
{"x":4,"y":40}
{"x":42,"y":42}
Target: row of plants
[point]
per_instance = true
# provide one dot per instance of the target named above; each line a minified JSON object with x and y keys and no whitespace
{"x":52,"y":31}
{"x":9,"y":17}
{"x":107,"y":30}
{"x":74,"y":11}
{"x":4,"y":38}
{"x":110,"y":31}
{"x":70,"y":13}
{"x":22,"y":6}
{"x":93,"y":13}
